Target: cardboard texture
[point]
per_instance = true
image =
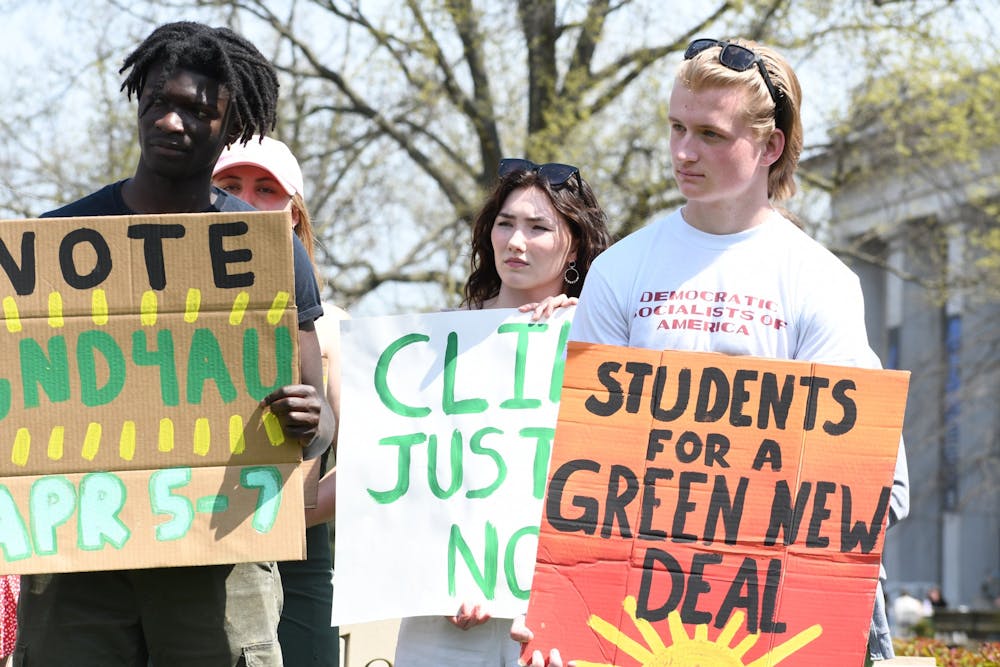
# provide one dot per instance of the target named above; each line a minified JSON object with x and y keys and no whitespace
{"x":703,"y":509}
{"x":136,"y":351}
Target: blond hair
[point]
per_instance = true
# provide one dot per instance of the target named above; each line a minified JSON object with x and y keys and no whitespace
{"x":705,"y":70}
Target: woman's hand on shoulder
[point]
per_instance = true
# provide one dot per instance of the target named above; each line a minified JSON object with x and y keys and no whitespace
{"x":547,"y":306}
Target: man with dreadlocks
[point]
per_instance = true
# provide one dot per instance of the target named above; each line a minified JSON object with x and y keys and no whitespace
{"x":198,"y":90}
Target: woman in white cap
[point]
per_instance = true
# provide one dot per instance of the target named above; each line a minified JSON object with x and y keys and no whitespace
{"x":265,"y":174}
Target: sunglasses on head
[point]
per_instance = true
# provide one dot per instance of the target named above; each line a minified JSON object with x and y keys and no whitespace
{"x":553,"y":172}
{"x":739,"y":59}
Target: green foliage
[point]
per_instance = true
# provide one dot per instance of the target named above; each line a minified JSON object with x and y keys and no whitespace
{"x":930,"y":113}
{"x":923,"y":128}
{"x":984,"y":655}
{"x":987,"y":239}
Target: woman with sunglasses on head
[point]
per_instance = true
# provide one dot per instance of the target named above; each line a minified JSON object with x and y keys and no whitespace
{"x":533,"y":241}
{"x":266,"y":175}
{"x":747,"y":279}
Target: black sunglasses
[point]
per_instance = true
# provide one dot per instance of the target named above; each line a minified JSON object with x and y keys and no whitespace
{"x":739,"y":59}
{"x":553,"y":172}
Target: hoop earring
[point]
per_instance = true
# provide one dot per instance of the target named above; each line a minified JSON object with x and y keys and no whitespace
{"x":571,"y":275}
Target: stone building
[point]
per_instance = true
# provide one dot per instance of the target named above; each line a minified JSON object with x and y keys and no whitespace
{"x":923,"y":234}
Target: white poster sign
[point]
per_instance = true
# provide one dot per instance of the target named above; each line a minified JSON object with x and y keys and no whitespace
{"x":447,"y":421}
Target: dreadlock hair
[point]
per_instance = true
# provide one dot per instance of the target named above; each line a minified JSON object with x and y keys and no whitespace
{"x":216,"y":52}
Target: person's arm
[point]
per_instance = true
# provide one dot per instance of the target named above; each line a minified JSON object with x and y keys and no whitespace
{"x":834,"y":332}
{"x":600,"y":316}
{"x":326,"y":501}
{"x":311,"y":374}
{"x":899,"y":500}
{"x":328,"y":331}
{"x":832,"y":321}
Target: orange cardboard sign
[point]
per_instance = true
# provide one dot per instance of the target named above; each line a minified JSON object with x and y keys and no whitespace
{"x":136,"y":352}
{"x":708,"y":510}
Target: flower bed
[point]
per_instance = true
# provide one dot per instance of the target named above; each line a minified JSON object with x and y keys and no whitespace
{"x":985,"y":655}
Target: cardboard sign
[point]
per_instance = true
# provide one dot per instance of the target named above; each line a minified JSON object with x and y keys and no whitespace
{"x":703,"y":509}
{"x":136,"y":352}
{"x":448,"y":421}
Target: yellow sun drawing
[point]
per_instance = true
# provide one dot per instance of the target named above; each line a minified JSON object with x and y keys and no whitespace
{"x":697,"y":651}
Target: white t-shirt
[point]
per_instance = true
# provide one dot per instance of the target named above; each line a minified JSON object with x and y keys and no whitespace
{"x":771,"y":291}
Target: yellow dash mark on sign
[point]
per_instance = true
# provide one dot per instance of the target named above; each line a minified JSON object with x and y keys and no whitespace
{"x":22,"y":445}
{"x":166,"y":439}
{"x":147,"y":309}
{"x":99,"y":307}
{"x":273,"y":429}
{"x":11,"y":315}
{"x":237,"y":441}
{"x":56,"y":438}
{"x":91,"y":441}
{"x":55,"y":310}
{"x":202,"y":436}
{"x":277,"y":308}
{"x":192,"y":305}
{"x":239,"y":308}
{"x":126,"y":444}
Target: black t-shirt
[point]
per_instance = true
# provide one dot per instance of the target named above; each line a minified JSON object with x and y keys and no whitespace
{"x":108,"y":201}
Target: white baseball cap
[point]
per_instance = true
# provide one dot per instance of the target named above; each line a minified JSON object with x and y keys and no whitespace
{"x":270,"y":155}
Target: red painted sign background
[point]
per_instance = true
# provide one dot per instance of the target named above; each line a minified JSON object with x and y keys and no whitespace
{"x":711,"y":510}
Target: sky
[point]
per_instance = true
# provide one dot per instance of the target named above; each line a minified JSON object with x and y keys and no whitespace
{"x":38,"y":47}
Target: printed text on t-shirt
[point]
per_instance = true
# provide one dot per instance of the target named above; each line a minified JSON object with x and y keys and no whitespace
{"x":709,"y":310}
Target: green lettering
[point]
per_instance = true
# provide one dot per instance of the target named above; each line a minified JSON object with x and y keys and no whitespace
{"x":13,"y":532}
{"x":102,"y":497}
{"x":4,"y":397}
{"x":382,"y":374}
{"x":455,"y":459}
{"x":163,"y":357}
{"x":508,"y":562}
{"x":205,"y":362}
{"x":51,"y":371}
{"x":99,"y":341}
{"x":477,"y":448}
{"x":543,"y":449}
{"x":448,"y":402}
{"x":251,"y":361}
{"x":268,"y":480}
{"x":51,"y":503}
{"x":162,"y":500}
{"x":559,"y":364}
{"x":404,"y":442}
{"x":211,"y":504}
{"x":522,"y":329}
{"x":486,"y":578}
